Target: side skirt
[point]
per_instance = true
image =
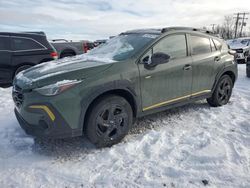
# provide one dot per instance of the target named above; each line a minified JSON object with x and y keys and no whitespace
{"x":175,"y":104}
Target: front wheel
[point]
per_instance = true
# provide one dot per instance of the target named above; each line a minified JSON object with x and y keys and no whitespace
{"x":222,"y":92}
{"x":108,"y":121}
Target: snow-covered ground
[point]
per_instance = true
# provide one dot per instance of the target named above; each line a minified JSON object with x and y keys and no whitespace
{"x":183,"y":147}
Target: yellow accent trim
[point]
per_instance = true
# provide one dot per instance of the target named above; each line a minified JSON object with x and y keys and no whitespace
{"x":46,"y":109}
{"x":174,"y":100}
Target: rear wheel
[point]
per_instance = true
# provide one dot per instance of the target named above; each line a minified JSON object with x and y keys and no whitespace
{"x":67,"y":55}
{"x":109,"y":121}
{"x":222,"y":92}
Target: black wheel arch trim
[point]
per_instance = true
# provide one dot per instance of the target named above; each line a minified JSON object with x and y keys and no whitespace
{"x":224,"y":70}
{"x":109,"y":88}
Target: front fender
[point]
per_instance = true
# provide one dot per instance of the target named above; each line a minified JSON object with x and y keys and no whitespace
{"x":94,"y":93}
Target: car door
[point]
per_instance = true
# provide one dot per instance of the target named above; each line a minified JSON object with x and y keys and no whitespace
{"x":168,"y":82}
{"x":5,"y":60}
{"x":204,"y":57}
{"x":27,"y":51}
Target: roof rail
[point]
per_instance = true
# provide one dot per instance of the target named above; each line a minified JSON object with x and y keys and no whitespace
{"x":57,"y":40}
{"x":186,"y":28}
{"x":34,"y":32}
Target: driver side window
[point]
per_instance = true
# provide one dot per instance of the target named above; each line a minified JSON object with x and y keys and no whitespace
{"x":174,"y":45}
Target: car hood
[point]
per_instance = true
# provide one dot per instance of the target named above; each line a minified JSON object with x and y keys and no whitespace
{"x":238,"y":46}
{"x":78,"y":67}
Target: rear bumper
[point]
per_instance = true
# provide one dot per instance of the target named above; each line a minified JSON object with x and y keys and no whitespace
{"x":48,"y":129}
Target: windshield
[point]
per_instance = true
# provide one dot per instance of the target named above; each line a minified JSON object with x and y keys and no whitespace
{"x":245,"y":42}
{"x":238,"y":41}
{"x":123,"y":46}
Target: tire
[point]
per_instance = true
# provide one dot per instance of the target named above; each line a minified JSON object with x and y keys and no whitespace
{"x":105,"y":129}
{"x":66,"y":55}
{"x":248,"y":59}
{"x":222,"y":92}
{"x":248,"y":70}
{"x":20,"y":69}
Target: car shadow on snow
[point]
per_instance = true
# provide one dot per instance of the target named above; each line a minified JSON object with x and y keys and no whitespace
{"x":76,"y":147}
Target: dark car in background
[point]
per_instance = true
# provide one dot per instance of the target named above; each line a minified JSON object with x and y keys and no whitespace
{"x":19,"y":51}
{"x":67,"y":48}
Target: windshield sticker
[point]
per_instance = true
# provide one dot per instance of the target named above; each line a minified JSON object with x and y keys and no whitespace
{"x":150,"y":36}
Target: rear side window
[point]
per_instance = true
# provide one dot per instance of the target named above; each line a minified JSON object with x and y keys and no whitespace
{"x":4,"y":43}
{"x":25,"y":44}
{"x":217,"y":44}
{"x":175,"y":46}
{"x":201,"y":45}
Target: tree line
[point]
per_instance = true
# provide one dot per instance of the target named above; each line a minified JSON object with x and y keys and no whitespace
{"x":227,"y":29}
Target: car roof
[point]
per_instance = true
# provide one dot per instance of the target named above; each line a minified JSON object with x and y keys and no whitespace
{"x":168,"y":29}
{"x":243,"y":38}
{"x":144,"y":31}
{"x":23,"y":34}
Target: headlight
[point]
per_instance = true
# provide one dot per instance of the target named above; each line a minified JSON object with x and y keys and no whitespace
{"x":57,"y":88}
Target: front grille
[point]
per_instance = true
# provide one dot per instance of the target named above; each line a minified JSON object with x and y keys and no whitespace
{"x":17,"y":96}
{"x":239,"y":50}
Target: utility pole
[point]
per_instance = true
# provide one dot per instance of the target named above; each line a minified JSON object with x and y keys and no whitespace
{"x":243,"y":22}
{"x":236,"y":24}
{"x":238,"y":18}
{"x":213,"y":26}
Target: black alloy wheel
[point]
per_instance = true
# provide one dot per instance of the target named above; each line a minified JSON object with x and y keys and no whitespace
{"x":222,"y":92}
{"x":109,"y":121}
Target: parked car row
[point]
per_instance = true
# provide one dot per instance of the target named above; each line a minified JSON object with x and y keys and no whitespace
{"x":19,"y":51}
{"x":67,"y":48}
{"x":137,"y":73}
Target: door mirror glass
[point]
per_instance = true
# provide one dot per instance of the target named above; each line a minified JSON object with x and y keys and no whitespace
{"x":159,"y":58}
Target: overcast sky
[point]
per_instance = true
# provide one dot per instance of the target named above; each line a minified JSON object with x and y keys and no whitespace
{"x":97,"y":19}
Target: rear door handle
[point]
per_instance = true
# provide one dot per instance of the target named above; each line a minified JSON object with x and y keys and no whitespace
{"x":187,"y":67}
{"x":217,"y":58}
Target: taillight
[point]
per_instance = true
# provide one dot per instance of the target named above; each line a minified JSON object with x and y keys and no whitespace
{"x":85,"y":48}
{"x":54,"y":55}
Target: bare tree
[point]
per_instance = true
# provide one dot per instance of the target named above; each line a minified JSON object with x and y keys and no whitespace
{"x":226,"y":30}
{"x":229,"y":26}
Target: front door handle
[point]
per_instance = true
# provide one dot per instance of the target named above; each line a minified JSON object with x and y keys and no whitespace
{"x":217,"y":58}
{"x":187,"y":67}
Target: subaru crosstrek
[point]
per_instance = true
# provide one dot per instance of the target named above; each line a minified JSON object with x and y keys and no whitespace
{"x":139,"y":72}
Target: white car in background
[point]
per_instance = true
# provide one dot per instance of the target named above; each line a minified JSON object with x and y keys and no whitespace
{"x":242,"y":48}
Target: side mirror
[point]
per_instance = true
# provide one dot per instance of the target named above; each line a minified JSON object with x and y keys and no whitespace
{"x":159,"y":58}
{"x":232,"y":52}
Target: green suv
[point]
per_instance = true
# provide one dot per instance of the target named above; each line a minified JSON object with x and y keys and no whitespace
{"x":139,"y":72}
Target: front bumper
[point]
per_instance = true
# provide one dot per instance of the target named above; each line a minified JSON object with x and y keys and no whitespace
{"x":45,"y":127}
{"x":240,"y":56}
{"x":51,"y":117}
